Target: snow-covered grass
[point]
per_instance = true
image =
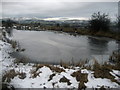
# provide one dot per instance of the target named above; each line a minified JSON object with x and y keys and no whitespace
{"x":32,"y":75}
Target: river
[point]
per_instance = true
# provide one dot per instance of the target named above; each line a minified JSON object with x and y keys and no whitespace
{"x":52,"y":47}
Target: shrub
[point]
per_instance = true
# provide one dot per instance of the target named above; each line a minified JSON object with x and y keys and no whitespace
{"x":99,"y":22}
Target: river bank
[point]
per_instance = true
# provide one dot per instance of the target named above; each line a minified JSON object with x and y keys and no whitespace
{"x":74,"y":31}
{"x":79,"y":31}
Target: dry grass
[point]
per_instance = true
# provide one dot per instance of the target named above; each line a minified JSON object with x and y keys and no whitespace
{"x":77,"y":75}
{"x":103,"y":71}
{"x":22,"y":75}
{"x":115,"y":58}
{"x":34,"y":73}
{"x":71,"y":64}
{"x":80,"y":77}
{"x":51,"y":76}
{"x":56,"y":69}
{"x":82,"y":63}
{"x":65,"y":80}
{"x":11,"y":74}
{"x":65,"y":65}
{"x":38,"y":66}
{"x":13,"y":43}
{"x":102,"y":88}
{"x":53,"y":68}
{"x":7,"y":86}
{"x":22,"y":60}
{"x":80,"y":31}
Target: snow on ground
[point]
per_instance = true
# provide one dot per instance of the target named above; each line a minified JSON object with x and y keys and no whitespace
{"x":116,"y":74}
{"x":99,"y":82}
{"x":42,"y":80}
{"x":5,"y":57}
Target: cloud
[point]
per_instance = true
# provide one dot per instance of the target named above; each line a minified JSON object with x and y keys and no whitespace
{"x":56,"y":8}
{"x":60,"y":1}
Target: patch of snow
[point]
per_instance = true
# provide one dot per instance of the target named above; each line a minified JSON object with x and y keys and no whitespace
{"x":116,"y":74}
{"x":99,"y":82}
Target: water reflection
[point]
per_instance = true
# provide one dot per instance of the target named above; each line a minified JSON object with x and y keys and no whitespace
{"x":118,"y":46}
{"x":97,"y":45}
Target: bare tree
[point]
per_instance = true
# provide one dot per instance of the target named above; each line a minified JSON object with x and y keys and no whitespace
{"x":99,"y":22}
{"x":118,"y":22}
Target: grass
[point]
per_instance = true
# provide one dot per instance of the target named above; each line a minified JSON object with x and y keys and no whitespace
{"x":6,"y":86}
{"x":4,"y":34}
{"x":71,"y":64}
{"x":11,"y":74}
{"x":23,"y":60}
{"x":81,"y":78}
{"x":55,"y":69}
{"x":103,"y":71}
{"x":100,"y":71}
{"x":115,"y":58}
{"x":51,"y":76}
{"x":13,"y":43}
{"x":64,"y":64}
{"x":80,"y":31}
{"x":65,"y":80}
{"x":38,"y":66}
{"x":34,"y":73}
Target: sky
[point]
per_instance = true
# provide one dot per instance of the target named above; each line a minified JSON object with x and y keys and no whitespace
{"x":57,"y":8}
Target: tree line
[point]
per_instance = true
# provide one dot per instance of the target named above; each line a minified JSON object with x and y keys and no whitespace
{"x":98,"y":22}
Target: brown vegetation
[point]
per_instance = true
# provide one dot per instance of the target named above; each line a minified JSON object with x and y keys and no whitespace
{"x":51,"y":76}
{"x":79,"y":31}
{"x":13,"y":43}
{"x":56,"y":69}
{"x":82,"y":78}
{"x":103,"y":71}
{"x":11,"y":74}
{"x":23,"y":60}
{"x":115,"y":58}
{"x":65,"y":80}
{"x":34,"y":73}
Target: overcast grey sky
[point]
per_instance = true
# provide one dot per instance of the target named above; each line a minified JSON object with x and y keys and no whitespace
{"x":47,"y":9}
